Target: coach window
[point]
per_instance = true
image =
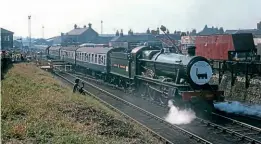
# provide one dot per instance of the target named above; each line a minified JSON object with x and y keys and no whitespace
{"x":99,"y":59}
{"x":104,"y":59}
{"x":102,"y":62}
{"x":80,"y":56}
{"x":92,"y":58}
{"x":95,"y":58}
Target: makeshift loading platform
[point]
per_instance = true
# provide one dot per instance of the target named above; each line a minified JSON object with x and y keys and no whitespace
{"x":55,"y":65}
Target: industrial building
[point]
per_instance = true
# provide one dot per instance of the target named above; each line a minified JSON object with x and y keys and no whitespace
{"x":6,"y":39}
{"x":79,"y":36}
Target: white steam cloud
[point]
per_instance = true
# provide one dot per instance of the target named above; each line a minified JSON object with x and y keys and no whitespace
{"x":239,"y":108}
{"x":177,"y":116}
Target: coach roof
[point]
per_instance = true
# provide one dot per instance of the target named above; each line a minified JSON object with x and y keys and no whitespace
{"x":54,"y":48}
{"x":94,"y":50}
{"x":70,"y":48}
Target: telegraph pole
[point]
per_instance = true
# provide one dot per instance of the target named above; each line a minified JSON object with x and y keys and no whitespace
{"x":29,"y":30}
{"x":101,"y":26}
{"x":43,"y":32}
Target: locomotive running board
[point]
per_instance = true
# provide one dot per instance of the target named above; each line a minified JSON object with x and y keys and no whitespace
{"x":159,"y":82}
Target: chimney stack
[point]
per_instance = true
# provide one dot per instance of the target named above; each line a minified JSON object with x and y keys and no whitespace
{"x":148,"y":31}
{"x":121,"y":34}
{"x":75,"y":26}
{"x":158,"y":31}
{"x":259,"y":25}
{"x":130,"y":32}
{"x":90,"y":25}
{"x":84,"y":26}
{"x":117,"y":33}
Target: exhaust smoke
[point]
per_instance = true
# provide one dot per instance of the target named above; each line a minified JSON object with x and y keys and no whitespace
{"x":239,"y":108}
{"x":177,"y":116}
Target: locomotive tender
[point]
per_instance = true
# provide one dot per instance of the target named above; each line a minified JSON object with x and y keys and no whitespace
{"x":154,"y":72}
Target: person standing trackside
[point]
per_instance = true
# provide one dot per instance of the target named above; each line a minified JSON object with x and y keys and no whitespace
{"x":76,"y":86}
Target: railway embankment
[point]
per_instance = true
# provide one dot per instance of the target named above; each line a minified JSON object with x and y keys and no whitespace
{"x":36,"y":108}
{"x":238,"y":92}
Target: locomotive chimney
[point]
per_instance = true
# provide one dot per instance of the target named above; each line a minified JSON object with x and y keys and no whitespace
{"x":191,"y":50}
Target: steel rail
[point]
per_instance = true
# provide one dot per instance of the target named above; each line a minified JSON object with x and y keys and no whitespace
{"x":239,"y":123}
{"x":191,"y":135}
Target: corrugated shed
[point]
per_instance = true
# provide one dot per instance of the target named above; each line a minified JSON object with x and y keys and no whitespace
{"x":217,"y":46}
{"x":214,"y":46}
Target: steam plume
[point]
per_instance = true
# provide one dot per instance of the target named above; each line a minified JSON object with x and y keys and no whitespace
{"x":239,"y":108}
{"x":177,"y":116}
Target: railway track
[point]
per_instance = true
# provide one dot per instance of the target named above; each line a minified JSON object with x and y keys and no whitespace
{"x":243,"y":130}
{"x":158,"y":126}
{"x":224,"y":125}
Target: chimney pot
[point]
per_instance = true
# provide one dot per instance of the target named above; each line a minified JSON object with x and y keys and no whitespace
{"x":90,"y":25}
{"x":121,"y":34}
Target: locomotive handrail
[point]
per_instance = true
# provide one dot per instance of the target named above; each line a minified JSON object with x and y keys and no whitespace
{"x":158,"y":62}
{"x":160,"y":82}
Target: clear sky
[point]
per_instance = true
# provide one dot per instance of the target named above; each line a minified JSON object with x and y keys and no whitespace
{"x":60,"y":15}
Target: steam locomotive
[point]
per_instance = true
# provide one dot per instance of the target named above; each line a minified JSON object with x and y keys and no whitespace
{"x":151,"y":71}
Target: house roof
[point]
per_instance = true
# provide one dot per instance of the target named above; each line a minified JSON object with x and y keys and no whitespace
{"x":209,"y":31}
{"x":2,"y":30}
{"x":143,"y":37}
{"x":79,"y":31}
{"x":107,"y":35}
{"x":253,"y":31}
{"x":102,"y":40}
{"x":134,"y":38}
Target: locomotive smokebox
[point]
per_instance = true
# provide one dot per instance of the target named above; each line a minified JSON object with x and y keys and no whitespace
{"x":199,"y":71}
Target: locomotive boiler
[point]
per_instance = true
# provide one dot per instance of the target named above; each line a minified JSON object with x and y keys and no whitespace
{"x":180,"y":68}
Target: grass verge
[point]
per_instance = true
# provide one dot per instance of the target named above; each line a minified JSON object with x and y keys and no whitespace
{"x":38,"y":109}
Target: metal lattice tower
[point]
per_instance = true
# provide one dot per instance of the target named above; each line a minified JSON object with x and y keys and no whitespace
{"x":29,"y":30}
